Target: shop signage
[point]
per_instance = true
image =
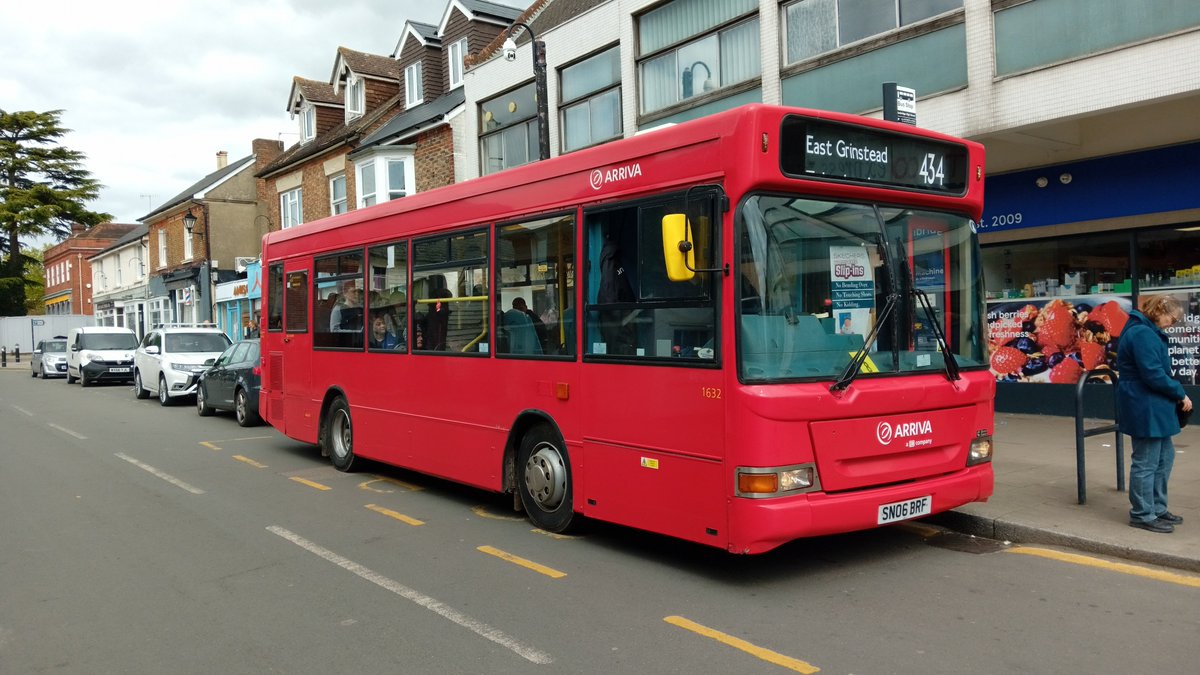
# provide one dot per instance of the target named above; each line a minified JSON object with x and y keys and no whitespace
{"x":1132,"y":184}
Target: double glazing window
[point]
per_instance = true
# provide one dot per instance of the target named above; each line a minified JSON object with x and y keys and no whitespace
{"x":590,"y":106}
{"x":814,"y":27}
{"x":508,"y":129}
{"x":691,"y":47}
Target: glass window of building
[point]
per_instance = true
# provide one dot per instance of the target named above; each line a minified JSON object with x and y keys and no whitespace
{"x":413,"y":87}
{"x":591,"y":100}
{"x":508,"y":130}
{"x":291,"y":208}
{"x":337,"y":194}
{"x":691,"y":47}
{"x":814,"y":27}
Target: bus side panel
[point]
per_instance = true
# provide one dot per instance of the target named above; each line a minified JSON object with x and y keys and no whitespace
{"x":653,"y":438}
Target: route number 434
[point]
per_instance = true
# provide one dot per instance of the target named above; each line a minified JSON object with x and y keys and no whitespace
{"x":932,"y":169}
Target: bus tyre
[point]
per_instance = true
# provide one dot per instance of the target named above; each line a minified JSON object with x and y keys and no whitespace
{"x":138,"y":390}
{"x":544,"y":479}
{"x":339,"y":435}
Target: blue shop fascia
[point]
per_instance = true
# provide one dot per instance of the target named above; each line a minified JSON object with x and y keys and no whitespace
{"x":1089,"y":240}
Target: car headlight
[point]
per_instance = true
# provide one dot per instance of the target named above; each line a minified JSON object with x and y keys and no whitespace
{"x":981,"y":451}
{"x":86,"y":357}
{"x":181,"y":367}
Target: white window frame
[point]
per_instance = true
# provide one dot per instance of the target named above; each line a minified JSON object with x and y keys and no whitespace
{"x":187,"y":245}
{"x":356,"y":97}
{"x":380,"y":162}
{"x":456,"y":53}
{"x":334,"y":202}
{"x":308,"y":122}
{"x":291,"y":207}
{"x":162,"y":248}
{"x":414,"y":88}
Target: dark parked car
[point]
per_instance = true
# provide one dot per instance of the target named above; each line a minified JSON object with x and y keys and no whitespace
{"x":232,"y":382}
{"x":50,"y":357}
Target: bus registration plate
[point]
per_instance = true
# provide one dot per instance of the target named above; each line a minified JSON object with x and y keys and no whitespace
{"x":909,"y":508}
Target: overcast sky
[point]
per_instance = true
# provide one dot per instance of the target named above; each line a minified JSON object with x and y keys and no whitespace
{"x":152,"y":89}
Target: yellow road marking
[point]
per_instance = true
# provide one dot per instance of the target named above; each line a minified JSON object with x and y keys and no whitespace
{"x":482,"y":512}
{"x":552,"y":535}
{"x":310,"y":483}
{"x":394,"y":514}
{"x":737,"y":643}
{"x":366,"y":485}
{"x":242,"y":458}
{"x":528,"y":564}
{"x":208,"y":445}
{"x":1123,"y":568}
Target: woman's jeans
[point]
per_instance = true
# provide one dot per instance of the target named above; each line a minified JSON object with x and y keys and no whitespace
{"x":1148,"y":474}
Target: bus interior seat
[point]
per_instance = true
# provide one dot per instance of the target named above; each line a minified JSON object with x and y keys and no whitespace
{"x":773,"y":347}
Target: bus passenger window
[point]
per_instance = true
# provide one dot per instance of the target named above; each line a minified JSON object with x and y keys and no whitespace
{"x":535,"y":282}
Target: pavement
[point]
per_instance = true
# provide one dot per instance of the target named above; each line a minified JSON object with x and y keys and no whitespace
{"x":1036,"y":496}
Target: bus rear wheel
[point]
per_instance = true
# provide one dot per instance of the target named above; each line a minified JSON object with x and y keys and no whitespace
{"x":339,"y":435}
{"x":544,"y":479}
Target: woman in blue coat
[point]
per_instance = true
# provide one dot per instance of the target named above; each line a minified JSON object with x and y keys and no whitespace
{"x":1146,"y":399}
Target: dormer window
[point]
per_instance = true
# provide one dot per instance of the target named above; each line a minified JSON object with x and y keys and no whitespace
{"x":308,"y":123}
{"x":413,"y":89}
{"x":457,"y":52}
{"x":355,"y":97}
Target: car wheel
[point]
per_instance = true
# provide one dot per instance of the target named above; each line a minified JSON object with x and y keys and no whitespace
{"x":339,"y":435}
{"x":164,"y":399}
{"x":83,"y":380}
{"x":202,"y":407}
{"x":544,"y":479}
{"x":241,"y":407}
{"x":70,"y":378}
{"x":138,"y":390}
{"x":32,"y":371}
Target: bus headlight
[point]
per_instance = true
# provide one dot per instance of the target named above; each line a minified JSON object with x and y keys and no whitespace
{"x":776,"y":481}
{"x":981,"y":451}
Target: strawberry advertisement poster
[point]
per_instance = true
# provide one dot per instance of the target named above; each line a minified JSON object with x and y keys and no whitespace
{"x":1054,"y":340}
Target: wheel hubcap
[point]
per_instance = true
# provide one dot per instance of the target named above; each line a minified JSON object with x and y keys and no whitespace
{"x":546,"y":477}
{"x":341,"y":437}
{"x":241,"y":406}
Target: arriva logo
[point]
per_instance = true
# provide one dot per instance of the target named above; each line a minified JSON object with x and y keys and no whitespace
{"x":600,"y":178}
{"x":885,"y":432}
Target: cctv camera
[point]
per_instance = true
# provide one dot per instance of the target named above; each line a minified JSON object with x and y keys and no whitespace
{"x":510,"y":50}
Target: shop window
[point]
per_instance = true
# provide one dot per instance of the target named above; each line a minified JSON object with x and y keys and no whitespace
{"x":1069,"y":266}
{"x":633,"y":310}
{"x":1169,"y":258}
{"x":387,"y":299}
{"x":535,"y":289}
{"x":449,"y":294}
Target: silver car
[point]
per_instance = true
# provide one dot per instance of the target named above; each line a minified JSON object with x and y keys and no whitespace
{"x":50,"y":358}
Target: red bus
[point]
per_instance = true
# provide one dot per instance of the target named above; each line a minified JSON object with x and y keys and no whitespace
{"x":760,"y":325}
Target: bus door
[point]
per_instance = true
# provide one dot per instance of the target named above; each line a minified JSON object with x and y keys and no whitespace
{"x":653,"y":408}
{"x":294,"y":359}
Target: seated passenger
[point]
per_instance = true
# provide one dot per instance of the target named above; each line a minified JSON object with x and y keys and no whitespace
{"x":347,"y":313}
{"x":381,"y":337}
{"x":522,"y":336}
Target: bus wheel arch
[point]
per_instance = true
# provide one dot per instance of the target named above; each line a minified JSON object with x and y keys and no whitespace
{"x":541,"y":472}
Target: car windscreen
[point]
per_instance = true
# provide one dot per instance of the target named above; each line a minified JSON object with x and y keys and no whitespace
{"x":196,"y":342}
{"x":54,"y":346}
{"x":108,"y":341}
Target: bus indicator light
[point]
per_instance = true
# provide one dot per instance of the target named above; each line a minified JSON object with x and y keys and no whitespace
{"x":758,"y":483}
{"x":562,"y":391}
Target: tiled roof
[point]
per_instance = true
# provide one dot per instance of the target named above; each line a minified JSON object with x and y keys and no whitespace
{"x":136,"y":233}
{"x":494,"y":9}
{"x":411,"y":120}
{"x":199,"y":186}
{"x":314,"y":91}
{"x":345,"y":133}
{"x":368,"y":64}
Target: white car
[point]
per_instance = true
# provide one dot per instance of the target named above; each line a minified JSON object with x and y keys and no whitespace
{"x":171,"y":357}
{"x":100,"y":353}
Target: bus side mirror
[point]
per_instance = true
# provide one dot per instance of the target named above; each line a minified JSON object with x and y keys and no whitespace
{"x":678,"y":252}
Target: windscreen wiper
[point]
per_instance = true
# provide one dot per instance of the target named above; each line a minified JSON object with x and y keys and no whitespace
{"x":951,"y":363}
{"x":855,"y":366}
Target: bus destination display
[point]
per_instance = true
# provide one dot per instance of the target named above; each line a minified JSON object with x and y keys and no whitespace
{"x":817,"y":149}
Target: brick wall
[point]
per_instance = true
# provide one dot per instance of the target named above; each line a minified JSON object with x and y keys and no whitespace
{"x":434,"y":157}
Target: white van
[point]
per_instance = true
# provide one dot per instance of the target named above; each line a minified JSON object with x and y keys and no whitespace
{"x":96,"y":353}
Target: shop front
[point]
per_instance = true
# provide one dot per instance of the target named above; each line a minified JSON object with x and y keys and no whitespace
{"x":1068,"y":251}
{"x":239,"y":302}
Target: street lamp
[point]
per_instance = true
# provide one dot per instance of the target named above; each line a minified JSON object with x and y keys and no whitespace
{"x":689,"y":75}
{"x":539,"y":75}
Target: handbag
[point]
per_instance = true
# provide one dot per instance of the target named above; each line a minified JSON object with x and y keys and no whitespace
{"x":1183,"y":415}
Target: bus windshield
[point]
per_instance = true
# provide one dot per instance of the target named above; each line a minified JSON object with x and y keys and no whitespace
{"x":816,"y":276}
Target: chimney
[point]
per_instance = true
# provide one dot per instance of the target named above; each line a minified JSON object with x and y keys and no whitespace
{"x":78,"y":228}
{"x":265,"y":151}
{"x":222,"y":159}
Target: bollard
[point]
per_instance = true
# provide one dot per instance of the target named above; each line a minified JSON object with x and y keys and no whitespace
{"x":17,"y":353}
{"x":3,"y":357}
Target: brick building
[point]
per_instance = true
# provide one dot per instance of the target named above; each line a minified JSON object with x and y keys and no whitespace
{"x":69,"y":273}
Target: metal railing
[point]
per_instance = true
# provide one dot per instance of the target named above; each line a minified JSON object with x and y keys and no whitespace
{"x":1098,"y":375}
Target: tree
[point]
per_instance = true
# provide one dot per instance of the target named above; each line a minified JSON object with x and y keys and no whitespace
{"x":43,"y":190}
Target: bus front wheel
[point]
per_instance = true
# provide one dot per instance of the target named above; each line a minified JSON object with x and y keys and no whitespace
{"x":339,"y":435}
{"x":544,"y":480}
